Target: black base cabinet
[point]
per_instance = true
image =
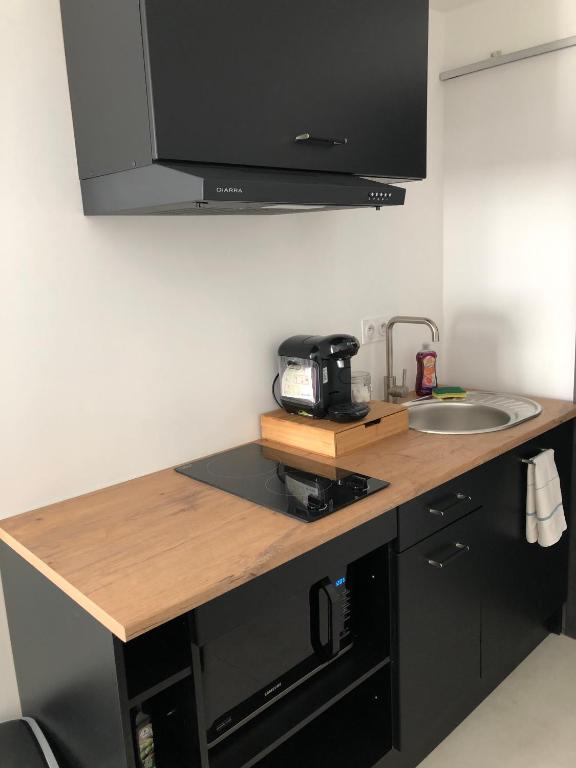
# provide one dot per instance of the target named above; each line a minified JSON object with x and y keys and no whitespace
{"x":525,"y":584}
{"x":355,"y":732}
{"x":448,"y":598}
{"x":439,"y":610}
{"x":88,"y":690}
{"x":474,"y":599}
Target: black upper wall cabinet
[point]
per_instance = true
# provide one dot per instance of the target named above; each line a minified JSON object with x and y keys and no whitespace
{"x":235,"y":82}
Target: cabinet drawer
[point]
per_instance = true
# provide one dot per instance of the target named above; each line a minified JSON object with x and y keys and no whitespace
{"x":438,"y":508}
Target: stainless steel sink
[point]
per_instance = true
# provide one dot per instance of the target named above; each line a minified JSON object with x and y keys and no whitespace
{"x":479,"y":412}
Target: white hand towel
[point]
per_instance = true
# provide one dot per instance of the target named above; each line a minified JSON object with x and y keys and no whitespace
{"x":545,"y":520}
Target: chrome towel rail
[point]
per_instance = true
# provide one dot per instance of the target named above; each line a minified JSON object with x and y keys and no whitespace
{"x":531,"y":461}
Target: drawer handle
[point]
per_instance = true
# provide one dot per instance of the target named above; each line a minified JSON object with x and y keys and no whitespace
{"x":460,"y":549}
{"x":445,"y":505}
{"x":307,"y":138}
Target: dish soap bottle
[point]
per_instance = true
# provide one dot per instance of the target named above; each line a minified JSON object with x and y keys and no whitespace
{"x":426,"y":376}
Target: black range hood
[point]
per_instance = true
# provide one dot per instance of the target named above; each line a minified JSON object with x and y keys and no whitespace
{"x":182,"y":188}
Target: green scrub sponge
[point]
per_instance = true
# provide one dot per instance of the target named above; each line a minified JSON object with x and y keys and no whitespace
{"x":449,"y":393}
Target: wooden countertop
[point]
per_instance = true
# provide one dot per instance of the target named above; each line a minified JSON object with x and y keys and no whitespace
{"x":140,"y":553}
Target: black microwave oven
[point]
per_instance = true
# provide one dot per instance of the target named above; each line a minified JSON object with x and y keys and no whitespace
{"x":267,"y":653}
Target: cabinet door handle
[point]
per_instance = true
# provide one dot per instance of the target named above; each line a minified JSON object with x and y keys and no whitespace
{"x":459,"y":549}
{"x":445,"y":505}
{"x":307,"y":138}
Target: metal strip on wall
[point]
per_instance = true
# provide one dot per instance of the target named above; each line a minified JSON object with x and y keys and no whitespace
{"x":498,"y":59}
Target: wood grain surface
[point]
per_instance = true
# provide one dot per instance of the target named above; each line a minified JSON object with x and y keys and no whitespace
{"x":140,"y":553}
{"x":330,"y":438}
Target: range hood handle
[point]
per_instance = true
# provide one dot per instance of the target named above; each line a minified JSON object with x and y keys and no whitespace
{"x":307,"y":138}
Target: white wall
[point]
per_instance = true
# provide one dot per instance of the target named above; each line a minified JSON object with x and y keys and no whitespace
{"x":133,"y":344}
{"x":510,"y":201}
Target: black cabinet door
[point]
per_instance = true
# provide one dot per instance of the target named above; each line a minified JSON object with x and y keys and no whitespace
{"x":439,"y":601}
{"x":525,"y":584}
{"x":236,"y":82}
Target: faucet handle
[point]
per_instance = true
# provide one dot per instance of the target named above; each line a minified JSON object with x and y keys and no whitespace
{"x":404,"y":388}
{"x":397,"y":390}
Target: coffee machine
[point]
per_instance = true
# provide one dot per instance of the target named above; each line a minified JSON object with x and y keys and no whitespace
{"x":316,"y":379}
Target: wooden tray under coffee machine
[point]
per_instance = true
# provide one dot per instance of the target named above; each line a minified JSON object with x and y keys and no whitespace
{"x":331,"y":438}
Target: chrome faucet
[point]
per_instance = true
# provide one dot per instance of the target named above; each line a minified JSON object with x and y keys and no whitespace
{"x":393,"y":390}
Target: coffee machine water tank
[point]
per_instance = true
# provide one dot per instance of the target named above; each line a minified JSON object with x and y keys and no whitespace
{"x":315,"y":377}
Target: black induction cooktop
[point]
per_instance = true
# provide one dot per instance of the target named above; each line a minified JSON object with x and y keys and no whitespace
{"x":270,"y":478}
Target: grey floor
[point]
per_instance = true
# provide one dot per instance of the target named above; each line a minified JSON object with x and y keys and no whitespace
{"x":528,"y":722}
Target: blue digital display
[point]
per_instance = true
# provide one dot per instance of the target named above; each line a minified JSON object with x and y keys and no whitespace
{"x":340,"y":582}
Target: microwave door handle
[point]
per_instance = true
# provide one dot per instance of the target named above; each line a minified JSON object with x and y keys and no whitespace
{"x":335,"y":618}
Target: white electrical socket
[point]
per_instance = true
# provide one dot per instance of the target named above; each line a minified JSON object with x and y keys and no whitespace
{"x":373,"y":329}
{"x":369,"y":332}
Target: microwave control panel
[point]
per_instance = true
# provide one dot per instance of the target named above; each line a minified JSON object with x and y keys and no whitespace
{"x":345,"y":600}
